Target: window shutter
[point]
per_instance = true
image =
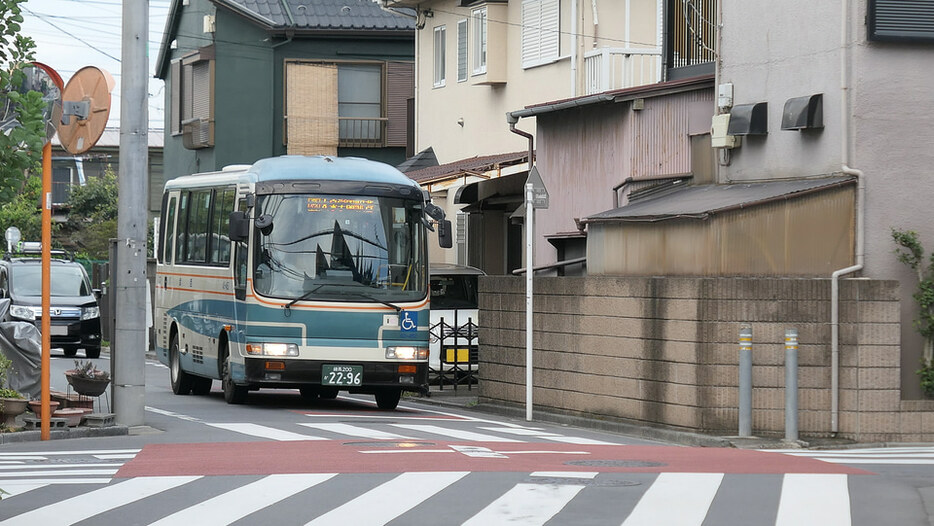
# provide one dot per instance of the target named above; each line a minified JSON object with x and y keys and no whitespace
{"x":175,"y":113}
{"x":540,"y":25}
{"x":462,"y":50}
{"x":461,"y":237}
{"x":311,"y":109}
{"x":400,"y":88}
{"x":201,"y":90}
{"x":549,"y":34}
{"x":901,"y":20}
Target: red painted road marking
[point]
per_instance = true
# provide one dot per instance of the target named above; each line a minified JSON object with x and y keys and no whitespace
{"x":264,"y":458}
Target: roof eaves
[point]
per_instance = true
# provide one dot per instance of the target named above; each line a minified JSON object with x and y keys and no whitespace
{"x":621,"y":95}
{"x":171,"y":24}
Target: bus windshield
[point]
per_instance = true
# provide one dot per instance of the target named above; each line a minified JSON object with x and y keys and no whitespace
{"x":340,"y":248}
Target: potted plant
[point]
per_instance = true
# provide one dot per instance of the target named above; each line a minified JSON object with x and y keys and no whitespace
{"x":86,"y":379}
{"x":12,"y":403}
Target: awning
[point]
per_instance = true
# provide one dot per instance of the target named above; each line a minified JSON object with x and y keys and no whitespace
{"x":500,"y":193}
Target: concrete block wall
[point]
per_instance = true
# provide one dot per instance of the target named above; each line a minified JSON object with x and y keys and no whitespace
{"x":664,"y":351}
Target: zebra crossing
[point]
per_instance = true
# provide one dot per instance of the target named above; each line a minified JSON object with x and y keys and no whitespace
{"x":916,"y":455}
{"x":24,"y":472}
{"x":437,"y":425}
{"x":524,"y":499}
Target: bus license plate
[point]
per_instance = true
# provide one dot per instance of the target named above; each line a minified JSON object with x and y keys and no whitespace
{"x":341,"y":374}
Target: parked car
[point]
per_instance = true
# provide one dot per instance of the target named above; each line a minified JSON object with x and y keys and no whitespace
{"x":453,"y":343}
{"x":75,"y":316}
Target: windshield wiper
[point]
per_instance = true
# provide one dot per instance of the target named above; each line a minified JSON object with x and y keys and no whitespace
{"x":304,"y":296}
{"x":371,"y":298}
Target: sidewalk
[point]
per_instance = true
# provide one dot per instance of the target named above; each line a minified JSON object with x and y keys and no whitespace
{"x":464,"y":398}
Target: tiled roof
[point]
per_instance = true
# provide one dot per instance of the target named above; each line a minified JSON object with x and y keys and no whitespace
{"x":472,"y":164}
{"x":325,"y":14}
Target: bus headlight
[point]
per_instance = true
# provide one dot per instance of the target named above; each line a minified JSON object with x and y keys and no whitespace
{"x":406,"y":353}
{"x":272,"y":349}
{"x":23,"y":312}
{"x":89,"y":313}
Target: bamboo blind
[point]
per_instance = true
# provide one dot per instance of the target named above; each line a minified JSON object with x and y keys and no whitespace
{"x":311,"y":109}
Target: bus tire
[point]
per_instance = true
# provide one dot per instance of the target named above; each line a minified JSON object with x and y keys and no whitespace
{"x":233,"y":393}
{"x":388,"y":399}
{"x":181,"y":381}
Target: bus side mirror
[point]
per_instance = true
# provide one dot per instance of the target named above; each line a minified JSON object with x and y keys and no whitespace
{"x":239,"y":229}
{"x":445,"y":239}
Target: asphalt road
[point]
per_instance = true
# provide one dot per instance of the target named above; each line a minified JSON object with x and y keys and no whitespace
{"x":284,"y":460}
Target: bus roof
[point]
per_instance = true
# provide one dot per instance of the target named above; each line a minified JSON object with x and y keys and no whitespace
{"x":297,"y":168}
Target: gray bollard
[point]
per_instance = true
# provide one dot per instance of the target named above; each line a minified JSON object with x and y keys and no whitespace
{"x":745,"y":380}
{"x":791,"y":385}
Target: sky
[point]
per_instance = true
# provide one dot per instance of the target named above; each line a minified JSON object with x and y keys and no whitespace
{"x":72,"y":34}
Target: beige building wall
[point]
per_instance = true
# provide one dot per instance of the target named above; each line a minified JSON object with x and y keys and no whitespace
{"x":464,"y":119}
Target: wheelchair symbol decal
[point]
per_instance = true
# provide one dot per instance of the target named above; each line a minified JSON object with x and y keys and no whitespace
{"x":408,"y":321}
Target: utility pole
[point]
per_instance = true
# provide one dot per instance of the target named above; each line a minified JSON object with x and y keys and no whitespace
{"x":128,"y":348}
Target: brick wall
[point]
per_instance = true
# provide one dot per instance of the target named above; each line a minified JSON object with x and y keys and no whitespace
{"x":664,"y":351}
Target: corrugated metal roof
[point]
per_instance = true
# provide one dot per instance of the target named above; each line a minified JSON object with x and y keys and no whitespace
{"x":325,"y":14}
{"x":477,"y":164}
{"x":702,"y":201}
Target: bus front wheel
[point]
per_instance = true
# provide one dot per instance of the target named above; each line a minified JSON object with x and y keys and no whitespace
{"x":181,"y":381}
{"x":233,"y":393}
{"x":388,"y":399}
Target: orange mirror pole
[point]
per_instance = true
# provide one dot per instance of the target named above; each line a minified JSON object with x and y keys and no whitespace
{"x":46,"y":283}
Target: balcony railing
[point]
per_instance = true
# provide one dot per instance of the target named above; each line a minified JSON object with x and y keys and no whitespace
{"x":359,"y":132}
{"x":616,"y":68}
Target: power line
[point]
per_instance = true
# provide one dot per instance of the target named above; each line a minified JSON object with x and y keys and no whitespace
{"x":79,"y":39}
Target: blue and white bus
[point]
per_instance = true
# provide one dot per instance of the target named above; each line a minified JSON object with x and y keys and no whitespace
{"x":296,"y":272}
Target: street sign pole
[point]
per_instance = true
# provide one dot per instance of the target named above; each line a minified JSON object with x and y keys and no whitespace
{"x":45,"y":326}
{"x":529,"y":251}
{"x":536,"y":196}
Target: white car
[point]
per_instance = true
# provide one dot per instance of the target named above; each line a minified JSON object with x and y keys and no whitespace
{"x":453,"y":340}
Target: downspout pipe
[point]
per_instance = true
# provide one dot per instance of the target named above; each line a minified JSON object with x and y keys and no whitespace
{"x":860,"y":220}
{"x":513,"y":120}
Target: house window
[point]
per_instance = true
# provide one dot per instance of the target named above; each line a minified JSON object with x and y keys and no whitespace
{"x":346,"y":104}
{"x":192,"y":85}
{"x":439,"y":56}
{"x":540,"y":31}
{"x":478,"y":19}
{"x":359,"y":103}
{"x":462,"y":50}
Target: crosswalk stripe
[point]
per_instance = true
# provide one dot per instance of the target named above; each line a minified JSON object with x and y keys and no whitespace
{"x":5,"y":483}
{"x":259,"y":431}
{"x":522,"y":431}
{"x":39,"y":455}
{"x":40,"y":467}
{"x":356,"y":431}
{"x":579,"y":441}
{"x":61,"y":472}
{"x":526,"y":505}
{"x":81,"y":507}
{"x":387,"y":501}
{"x":19,"y":489}
{"x":455,"y":433}
{"x":816,"y":499}
{"x":676,"y":498}
{"x":238,"y":503}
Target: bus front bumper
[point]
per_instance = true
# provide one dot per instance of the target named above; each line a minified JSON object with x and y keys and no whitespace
{"x":294,"y":374}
